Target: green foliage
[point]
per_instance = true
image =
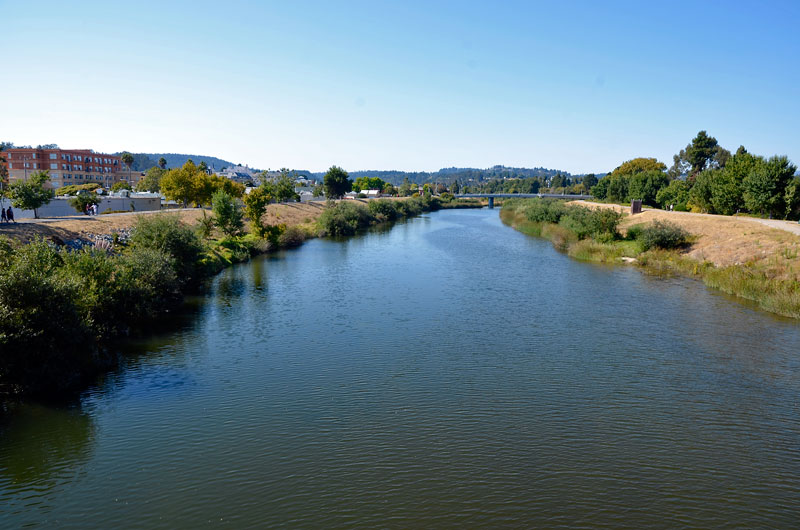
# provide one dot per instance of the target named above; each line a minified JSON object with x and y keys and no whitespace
{"x":601,"y":223}
{"x":82,"y":200}
{"x":255,"y":204}
{"x":121,"y":185}
{"x":293,"y":236}
{"x":368,"y":183}
{"x":337,"y":183}
{"x":30,"y":194}
{"x":73,"y":189}
{"x":639,"y":165}
{"x":675,"y":194}
{"x":765,"y":186}
{"x":284,"y":188}
{"x":227,"y":214}
{"x":152,"y":180}
{"x":663,"y":235}
{"x":55,"y":305}
{"x":347,"y":217}
{"x":702,"y":153}
{"x":166,"y":233}
{"x":344,"y":219}
{"x":645,"y":185}
{"x":181,"y":184}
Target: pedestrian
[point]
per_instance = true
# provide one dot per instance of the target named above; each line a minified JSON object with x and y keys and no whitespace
{"x":3,"y":217}
{"x":94,"y":209}
{"x":10,"y":215}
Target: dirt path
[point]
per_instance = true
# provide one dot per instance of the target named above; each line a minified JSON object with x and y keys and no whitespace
{"x":725,"y":240}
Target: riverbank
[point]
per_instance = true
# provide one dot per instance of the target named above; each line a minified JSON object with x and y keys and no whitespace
{"x":740,"y":257}
{"x":62,"y":304}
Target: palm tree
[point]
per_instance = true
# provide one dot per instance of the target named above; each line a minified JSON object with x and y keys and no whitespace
{"x":127,"y":159}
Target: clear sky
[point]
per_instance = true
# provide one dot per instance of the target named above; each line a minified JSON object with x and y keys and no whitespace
{"x":577,"y":86}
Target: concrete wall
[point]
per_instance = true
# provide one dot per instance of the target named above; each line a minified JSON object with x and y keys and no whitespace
{"x":59,"y":207}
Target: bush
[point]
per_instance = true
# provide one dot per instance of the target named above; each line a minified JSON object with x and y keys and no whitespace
{"x":166,"y":233}
{"x":383,"y":209}
{"x":293,"y":236}
{"x":344,"y":219}
{"x":82,"y":200}
{"x":663,"y":235}
{"x":227,"y":214}
{"x":72,"y":189}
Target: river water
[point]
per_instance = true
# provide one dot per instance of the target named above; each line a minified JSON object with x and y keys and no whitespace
{"x":448,"y":372}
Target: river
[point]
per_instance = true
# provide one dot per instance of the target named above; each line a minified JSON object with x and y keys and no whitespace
{"x":447,"y":372}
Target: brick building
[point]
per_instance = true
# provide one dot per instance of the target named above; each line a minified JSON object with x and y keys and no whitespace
{"x":68,"y":166}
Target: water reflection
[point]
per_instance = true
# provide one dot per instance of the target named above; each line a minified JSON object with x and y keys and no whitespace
{"x":42,"y":445}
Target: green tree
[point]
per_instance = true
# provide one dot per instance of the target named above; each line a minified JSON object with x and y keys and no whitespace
{"x":181,"y":184}
{"x":227,"y":214}
{"x":588,"y":181}
{"x":646,"y":185}
{"x":368,"y":183}
{"x":702,"y":191}
{"x":676,"y":194}
{"x":638,"y":165}
{"x":455,"y":188}
{"x":405,"y":188}
{"x":121,"y":185}
{"x":284,"y":187}
{"x":3,"y":173}
{"x":255,"y":204}
{"x":152,"y":180}
{"x":127,"y":159}
{"x":765,"y":186}
{"x":162,"y":163}
{"x":30,"y":193}
{"x":319,"y":190}
{"x":337,"y":183}
{"x":80,"y":201}
{"x":702,"y":153}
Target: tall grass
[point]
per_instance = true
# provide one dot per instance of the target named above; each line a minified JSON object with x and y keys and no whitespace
{"x":656,"y":249}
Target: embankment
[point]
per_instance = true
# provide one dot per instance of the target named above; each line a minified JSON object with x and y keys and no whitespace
{"x":737,"y":256}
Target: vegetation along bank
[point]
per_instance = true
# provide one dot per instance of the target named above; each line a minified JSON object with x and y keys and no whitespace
{"x":737,"y":256}
{"x":61,"y":308}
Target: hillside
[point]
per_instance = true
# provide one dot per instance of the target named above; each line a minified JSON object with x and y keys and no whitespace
{"x":450,"y":174}
{"x":144,"y":161}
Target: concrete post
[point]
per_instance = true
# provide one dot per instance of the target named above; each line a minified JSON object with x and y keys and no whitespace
{"x":491,"y":202}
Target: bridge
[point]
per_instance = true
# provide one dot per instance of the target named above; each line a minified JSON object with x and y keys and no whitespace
{"x":493,"y":196}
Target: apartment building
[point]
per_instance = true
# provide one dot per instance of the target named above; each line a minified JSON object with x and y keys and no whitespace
{"x":68,"y":166}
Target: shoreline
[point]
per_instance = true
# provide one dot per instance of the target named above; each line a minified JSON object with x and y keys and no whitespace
{"x":745,"y":259}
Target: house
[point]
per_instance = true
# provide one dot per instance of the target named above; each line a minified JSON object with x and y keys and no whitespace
{"x":371,"y":194}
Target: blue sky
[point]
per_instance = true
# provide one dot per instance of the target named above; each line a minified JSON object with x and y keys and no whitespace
{"x":578,"y":86}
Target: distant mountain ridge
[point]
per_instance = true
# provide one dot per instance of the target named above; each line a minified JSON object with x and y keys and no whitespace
{"x":144,"y":161}
{"x":451,"y":174}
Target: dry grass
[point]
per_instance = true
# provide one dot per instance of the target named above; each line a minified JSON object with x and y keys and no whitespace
{"x":290,"y":214}
{"x":726,"y":241}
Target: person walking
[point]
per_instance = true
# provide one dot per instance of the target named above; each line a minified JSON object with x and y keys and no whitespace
{"x":3,"y":218}
{"x":10,"y":215}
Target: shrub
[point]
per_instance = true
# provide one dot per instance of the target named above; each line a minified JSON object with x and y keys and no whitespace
{"x":293,"y":236}
{"x":82,"y":200}
{"x":168,"y":234}
{"x":344,"y":219}
{"x":663,"y":235}
{"x":227,"y":214}
{"x":383,"y":210}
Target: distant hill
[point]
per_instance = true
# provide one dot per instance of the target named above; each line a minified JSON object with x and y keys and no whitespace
{"x":450,"y":174}
{"x":144,"y":161}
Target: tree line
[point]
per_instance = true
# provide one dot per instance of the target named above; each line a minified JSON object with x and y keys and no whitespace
{"x":707,"y":178}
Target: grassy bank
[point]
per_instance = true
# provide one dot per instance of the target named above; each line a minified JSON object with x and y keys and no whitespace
{"x":658,"y":247}
{"x":61,"y":308}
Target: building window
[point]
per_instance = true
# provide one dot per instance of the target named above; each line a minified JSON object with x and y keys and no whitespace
{"x":53,"y":166}
{"x":35,"y":155}
{"x":53,"y":156}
